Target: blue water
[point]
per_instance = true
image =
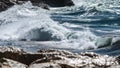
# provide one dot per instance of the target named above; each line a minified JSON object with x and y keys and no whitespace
{"x":92,"y":25}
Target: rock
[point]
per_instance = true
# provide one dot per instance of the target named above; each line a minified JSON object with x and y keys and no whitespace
{"x":57,"y":59}
{"x":45,"y":65}
{"x":55,"y":52}
{"x":42,"y":5}
{"x":84,"y":60}
{"x":19,"y":55}
{"x":8,"y":63}
{"x":54,"y":3}
{"x":118,"y":59}
{"x":5,"y":4}
{"x":27,"y":58}
{"x":54,"y":62}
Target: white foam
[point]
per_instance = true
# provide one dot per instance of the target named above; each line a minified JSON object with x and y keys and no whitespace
{"x":20,"y":20}
{"x":24,"y":18}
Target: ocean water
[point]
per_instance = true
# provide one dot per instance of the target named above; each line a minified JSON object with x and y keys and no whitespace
{"x":90,"y":25}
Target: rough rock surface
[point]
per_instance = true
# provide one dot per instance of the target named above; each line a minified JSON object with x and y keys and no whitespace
{"x":55,"y":59}
{"x":5,"y":4}
{"x":83,"y":60}
{"x":7,"y":63}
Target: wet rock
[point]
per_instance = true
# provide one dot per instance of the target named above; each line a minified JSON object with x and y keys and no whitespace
{"x":118,"y":59}
{"x":41,"y":4}
{"x":19,"y":55}
{"x":45,"y":65}
{"x":8,"y":63}
{"x":54,"y":62}
{"x":55,"y":52}
{"x":91,"y":55}
{"x":84,"y":60}
{"x":9,"y":52}
{"x":58,"y":59}
{"x":54,"y":3}
{"x":27,"y":58}
{"x":5,"y":4}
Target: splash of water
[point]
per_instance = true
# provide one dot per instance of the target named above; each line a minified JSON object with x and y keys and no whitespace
{"x":33,"y":23}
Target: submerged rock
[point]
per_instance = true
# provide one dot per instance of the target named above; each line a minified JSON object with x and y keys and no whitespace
{"x":57,"y":59}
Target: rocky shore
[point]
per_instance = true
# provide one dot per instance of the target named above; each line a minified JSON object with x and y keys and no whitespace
{"x":11,"y":57}
{"x":16,"y":58}
{"x":5,"y":4}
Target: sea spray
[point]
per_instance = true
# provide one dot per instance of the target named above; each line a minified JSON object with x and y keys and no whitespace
{"x":84,"y":26}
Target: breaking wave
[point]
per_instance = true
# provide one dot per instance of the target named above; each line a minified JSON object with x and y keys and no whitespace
{"x":87,"y":25}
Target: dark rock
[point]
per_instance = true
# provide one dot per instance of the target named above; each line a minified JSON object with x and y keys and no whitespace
{"x":42,"y":5}
{"x":47,"y":59}
{"x":55,"y":3}
{"x":55,"y":52}
{"x":5,"y":4}
{"x":18,"y":55}
{"x":118,"y":59}
{"x":8,"y":63}
{"x":66,"y":66}
{"x":91,"y":55}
